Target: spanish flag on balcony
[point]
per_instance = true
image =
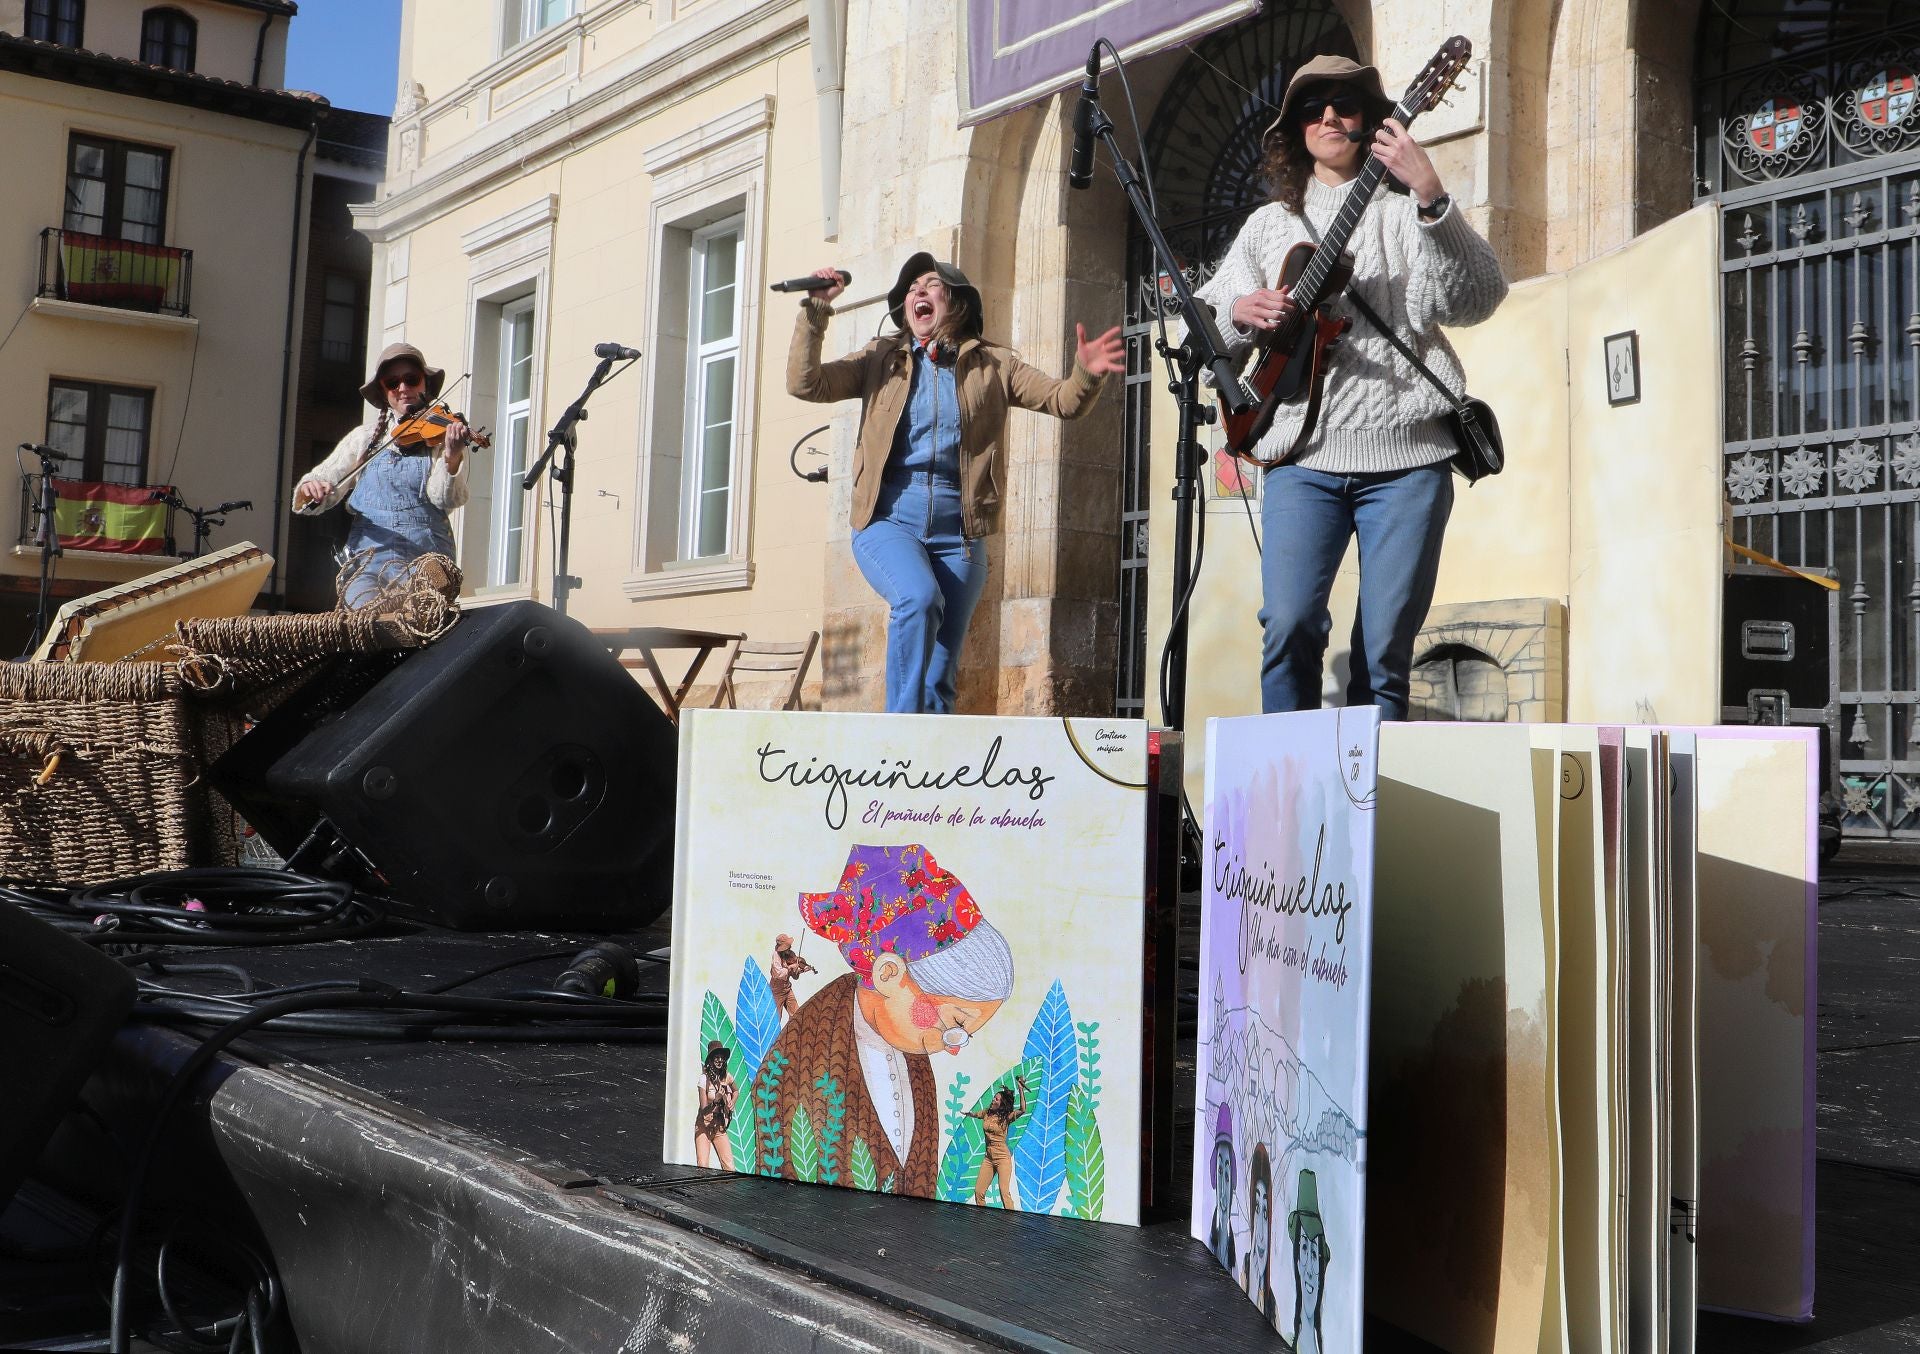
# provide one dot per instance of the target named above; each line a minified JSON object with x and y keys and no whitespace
{"x":116,"y":517}
{"x":109,"y":272}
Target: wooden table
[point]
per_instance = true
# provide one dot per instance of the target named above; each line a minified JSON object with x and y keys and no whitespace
{"x":645,"y":640}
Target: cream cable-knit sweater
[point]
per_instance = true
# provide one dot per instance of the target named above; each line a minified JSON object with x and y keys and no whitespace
{"x":1377,"y":413}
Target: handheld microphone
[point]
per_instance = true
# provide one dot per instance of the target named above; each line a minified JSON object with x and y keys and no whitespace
{"x":608,"y":352}
{"x":1080,"y":170}
{"x":602,"y":970}
{"x":813,"y":283}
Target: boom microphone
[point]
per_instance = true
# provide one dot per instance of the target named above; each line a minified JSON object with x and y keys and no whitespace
{"x":39,"y":449}
{"x":813,"y":283}
{"x":1080,"y":170}
{"x":609,"y":352}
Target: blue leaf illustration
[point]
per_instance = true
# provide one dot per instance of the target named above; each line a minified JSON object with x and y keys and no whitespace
{"x":756,"y":1020}
{"x":1040,"y":1158}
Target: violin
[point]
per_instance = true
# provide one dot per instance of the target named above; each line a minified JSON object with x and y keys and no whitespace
{"x":429,"y":428}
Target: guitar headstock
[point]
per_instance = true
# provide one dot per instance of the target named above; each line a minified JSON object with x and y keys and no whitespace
{"x":1437,"y":76}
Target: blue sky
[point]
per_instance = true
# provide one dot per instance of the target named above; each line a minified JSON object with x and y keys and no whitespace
{"x":348,"y":50}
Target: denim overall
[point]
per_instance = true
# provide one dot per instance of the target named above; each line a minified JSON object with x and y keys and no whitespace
{"x":392,"y":518}
{"x":914,"y":553}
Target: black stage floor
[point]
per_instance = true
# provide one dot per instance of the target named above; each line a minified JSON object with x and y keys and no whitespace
{"x":587,"y":1118}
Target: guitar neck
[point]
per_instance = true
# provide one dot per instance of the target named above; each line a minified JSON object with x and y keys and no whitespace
{"x":1310,"y":290}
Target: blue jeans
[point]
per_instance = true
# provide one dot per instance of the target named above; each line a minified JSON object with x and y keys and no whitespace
{"x":914,"y":556}
{"x":1400,"y":517}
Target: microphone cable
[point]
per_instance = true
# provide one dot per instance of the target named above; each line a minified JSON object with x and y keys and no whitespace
{"x":221,"y":906}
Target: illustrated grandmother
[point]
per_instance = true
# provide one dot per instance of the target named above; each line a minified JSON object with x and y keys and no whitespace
{"x":928,"y":972}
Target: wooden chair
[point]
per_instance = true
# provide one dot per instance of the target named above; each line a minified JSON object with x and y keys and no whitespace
{"x":768,"y":662}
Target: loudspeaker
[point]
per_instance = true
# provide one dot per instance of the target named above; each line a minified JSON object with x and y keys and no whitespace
{"x":60,"y":1002}
{"x":510,"y":775}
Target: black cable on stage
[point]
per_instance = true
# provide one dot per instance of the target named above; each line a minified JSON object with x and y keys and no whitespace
{"x":219,"y":907}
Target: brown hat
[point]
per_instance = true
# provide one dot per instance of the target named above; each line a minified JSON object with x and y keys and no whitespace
{"x":1330,"y":70}
{"x":377,"y":397}
{"x":783,"y":941}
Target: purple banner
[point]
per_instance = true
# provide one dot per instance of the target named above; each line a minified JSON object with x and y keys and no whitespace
{"x":1013,"y":52}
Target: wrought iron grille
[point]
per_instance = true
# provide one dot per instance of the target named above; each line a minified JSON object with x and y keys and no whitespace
{"x":1815,"y":159}
{"x":1204,"y":148}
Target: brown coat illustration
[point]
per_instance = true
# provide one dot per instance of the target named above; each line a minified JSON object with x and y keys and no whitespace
{"x":820,"y":1041}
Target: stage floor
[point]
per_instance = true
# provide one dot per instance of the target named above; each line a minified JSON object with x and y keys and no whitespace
{"x":512,"y":1196}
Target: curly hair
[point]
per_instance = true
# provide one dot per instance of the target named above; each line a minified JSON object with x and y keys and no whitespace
{"x":1287,"y":166}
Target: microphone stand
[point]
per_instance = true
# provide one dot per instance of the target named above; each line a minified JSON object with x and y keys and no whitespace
{"x":1201,"y":350}
{"x":561,"y":443}
{"x":49,"y":545}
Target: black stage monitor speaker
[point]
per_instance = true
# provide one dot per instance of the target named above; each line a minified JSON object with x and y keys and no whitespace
{"x":60,"y":1002}
{"x":511,"y":775}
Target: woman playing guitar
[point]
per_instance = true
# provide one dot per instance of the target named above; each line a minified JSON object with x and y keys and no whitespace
{"x":1374,"y":461}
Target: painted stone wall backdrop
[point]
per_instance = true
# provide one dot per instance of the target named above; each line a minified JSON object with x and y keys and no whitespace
{"x":1492,"y":662}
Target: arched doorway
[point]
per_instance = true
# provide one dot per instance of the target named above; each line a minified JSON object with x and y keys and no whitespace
{"x":1204,"y":148}
{"x":1808,"y":135}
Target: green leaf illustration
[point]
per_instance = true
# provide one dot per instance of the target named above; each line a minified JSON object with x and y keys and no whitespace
{"x":886,"y":1186}
{"x":862,"y":1166}
{"x":1086,"y":1157}
{"x":716,"y":1024}
{"x":766,"y":1099}
{"x":832,"y":1128}
{"x":746,"y":1149}
{"x":805,"y":1148}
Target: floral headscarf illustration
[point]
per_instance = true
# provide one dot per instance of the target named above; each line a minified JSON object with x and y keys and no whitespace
{"x":898,"y":900}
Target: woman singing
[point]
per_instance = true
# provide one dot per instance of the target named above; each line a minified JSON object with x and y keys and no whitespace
{"x":1375,"y":465}
{"x":930,"y":469}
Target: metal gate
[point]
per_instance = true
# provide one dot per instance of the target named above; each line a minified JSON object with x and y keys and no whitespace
{"x":1808,"y":135}
{"x":1204,"y":147}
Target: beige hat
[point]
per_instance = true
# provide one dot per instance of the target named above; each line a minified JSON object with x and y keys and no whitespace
{"x":1328,"y":70}
{"x":377,"y":397}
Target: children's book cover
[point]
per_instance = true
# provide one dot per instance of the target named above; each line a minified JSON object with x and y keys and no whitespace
{"x":1279,"y":1169}
{"x":908,"y":956}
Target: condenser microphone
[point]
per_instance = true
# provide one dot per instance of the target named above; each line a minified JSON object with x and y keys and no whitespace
{"x":813,"y":283}
{"x":611,"y":352}
{"x":39,"y":449}
{"x":1080,"y":169}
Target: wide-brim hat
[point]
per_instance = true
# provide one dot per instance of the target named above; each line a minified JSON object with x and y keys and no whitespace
{"x":715,"y":1046}
{"x":377,"y":397}
{"x":1333,"y":70}
{"x":956,"y":281}
{"x":783,"y":941}
{"x":1305,"y":1218}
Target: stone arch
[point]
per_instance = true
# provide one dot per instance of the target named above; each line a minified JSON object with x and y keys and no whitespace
{"x":1619,"y":122}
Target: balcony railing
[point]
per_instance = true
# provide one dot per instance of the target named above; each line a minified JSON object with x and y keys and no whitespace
{"x":99,"y":271}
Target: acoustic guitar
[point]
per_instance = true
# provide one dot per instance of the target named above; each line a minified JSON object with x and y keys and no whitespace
{"x":1290,"y":362}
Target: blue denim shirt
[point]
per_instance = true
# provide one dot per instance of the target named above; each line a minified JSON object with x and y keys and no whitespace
{"x":928,"y":437}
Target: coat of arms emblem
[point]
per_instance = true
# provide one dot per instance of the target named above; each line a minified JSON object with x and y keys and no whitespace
{"x":1887,"y":98}
{"x":1774,"y":126}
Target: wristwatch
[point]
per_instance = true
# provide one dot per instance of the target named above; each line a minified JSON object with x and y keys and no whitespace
{"x":1436,"y":208}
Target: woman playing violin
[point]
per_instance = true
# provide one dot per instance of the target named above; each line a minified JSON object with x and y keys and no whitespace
{"x":401,"y":496}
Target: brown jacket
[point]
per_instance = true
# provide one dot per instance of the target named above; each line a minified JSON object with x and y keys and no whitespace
{"x":819,"y":1041}
{"x":990,"y":379}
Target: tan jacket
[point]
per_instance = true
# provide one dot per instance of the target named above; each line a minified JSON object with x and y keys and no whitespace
{"x":989,"y":378}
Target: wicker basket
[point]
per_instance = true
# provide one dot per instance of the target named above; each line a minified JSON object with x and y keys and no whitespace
{"x":101,"y":764}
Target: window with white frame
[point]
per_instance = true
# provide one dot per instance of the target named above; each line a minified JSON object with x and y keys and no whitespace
{"x":507,"y":532}
{"x":713,"y":371}
{"x":526,"y":18}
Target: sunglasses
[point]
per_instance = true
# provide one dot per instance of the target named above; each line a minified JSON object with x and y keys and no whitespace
{"x":1313,"y":107}
{"x":401,"y":381}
